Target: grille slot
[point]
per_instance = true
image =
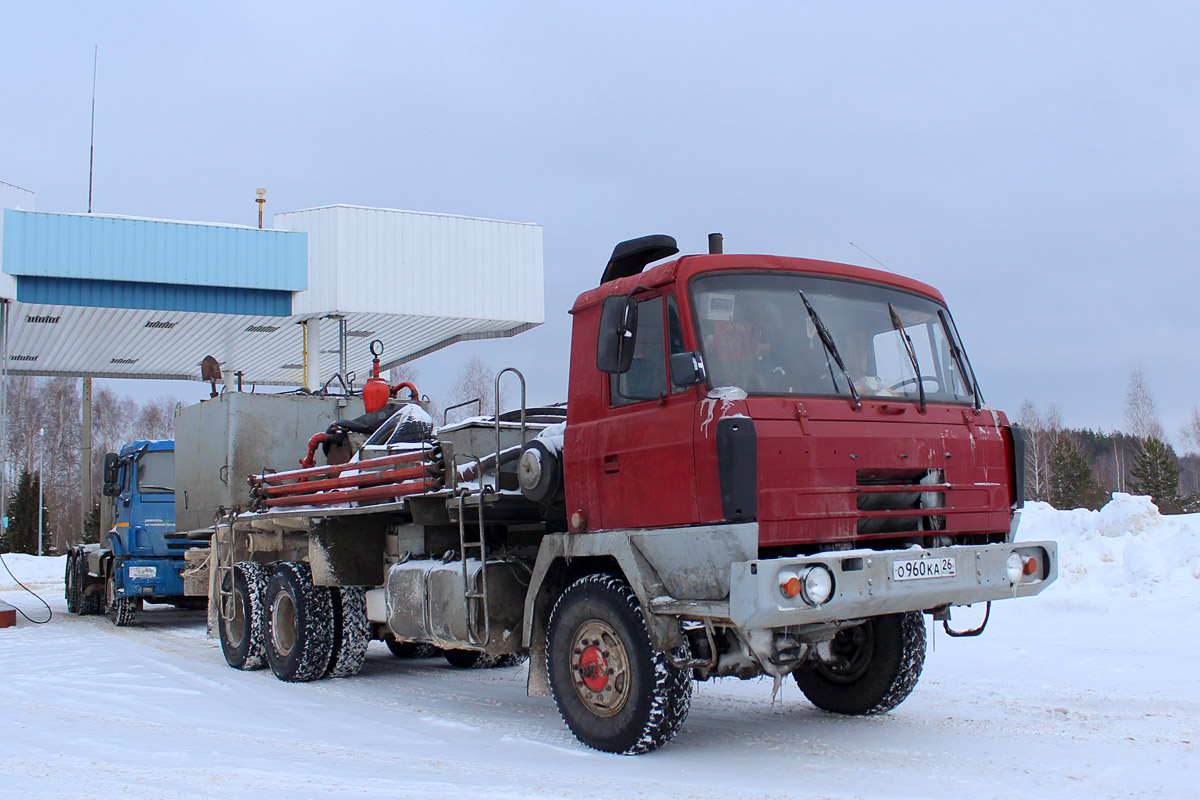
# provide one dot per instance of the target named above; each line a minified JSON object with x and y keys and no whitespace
{"x":885,"y":495}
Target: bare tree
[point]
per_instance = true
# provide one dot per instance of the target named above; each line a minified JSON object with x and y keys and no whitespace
{"x":1141,"y":412}
{"x":477,"y":381}
{"x":156,"y":420}
{"x":1190,"y":433}
{"x":1041,"y":434}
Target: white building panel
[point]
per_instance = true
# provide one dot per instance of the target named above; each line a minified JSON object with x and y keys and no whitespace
{"x":383,"y":261}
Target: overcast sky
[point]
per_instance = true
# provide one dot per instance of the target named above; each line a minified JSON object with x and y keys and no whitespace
{"x":1036,"y":162}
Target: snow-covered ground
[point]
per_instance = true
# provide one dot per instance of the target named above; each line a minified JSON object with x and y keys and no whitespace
{"x":1090,"y":690}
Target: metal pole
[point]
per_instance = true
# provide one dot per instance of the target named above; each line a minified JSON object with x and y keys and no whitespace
{"x":41,"y":457}
{"x":4,"y":414}
{"x":85,"y":458}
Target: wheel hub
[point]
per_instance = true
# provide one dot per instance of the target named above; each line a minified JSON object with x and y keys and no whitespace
{"x":600,"y":668}
{"x":283,"y":624}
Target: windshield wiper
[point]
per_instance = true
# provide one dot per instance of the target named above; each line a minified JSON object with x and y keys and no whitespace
{"x":912,"y":353}
{"x":956,"y":351}
{"x":152,"y":488}
{"x":830,"y":347}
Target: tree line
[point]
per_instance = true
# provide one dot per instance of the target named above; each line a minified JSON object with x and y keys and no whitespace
{"x":1081,"y":468}
{"x":43,"y":438}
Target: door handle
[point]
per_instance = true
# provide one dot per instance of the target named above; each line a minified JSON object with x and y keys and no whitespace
{"x":612,"y":464}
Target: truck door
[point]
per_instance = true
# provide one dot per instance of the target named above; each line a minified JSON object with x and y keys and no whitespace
{"x":646,"y":471}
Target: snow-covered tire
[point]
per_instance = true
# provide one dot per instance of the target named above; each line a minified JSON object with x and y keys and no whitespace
{"x":411,"y":649}
{"x":470,"y":659}
{"x":71,"y":582}
{"x":119,"y":609}
{"x":299,"y":628}
{"x":513,"y":659}
{"x":243,"y":632}
{"x":89,"y":602}
{"x":613,"y":689}
{"x":351,"y":632}
{"x":879,"y":665}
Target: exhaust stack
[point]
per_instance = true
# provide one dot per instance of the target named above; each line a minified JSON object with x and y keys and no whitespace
{"x":716,"y":244}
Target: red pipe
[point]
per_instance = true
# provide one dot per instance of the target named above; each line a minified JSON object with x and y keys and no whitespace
{"x":351,"y":481}
{"x":334,"y":469}
{"x":404,"y":385}
{"x":346,"y":496}
{"x":316,"y":441}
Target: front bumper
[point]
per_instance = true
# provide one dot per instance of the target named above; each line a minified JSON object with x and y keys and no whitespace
{"x":864,"y":584}
{"x":150,"y":577}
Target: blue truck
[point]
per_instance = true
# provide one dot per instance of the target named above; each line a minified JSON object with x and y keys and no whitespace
{"x":141,"y":556}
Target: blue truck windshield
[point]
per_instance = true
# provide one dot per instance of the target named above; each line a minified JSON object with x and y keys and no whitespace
{"x":756,"y":334}
{"x":156,"y":472}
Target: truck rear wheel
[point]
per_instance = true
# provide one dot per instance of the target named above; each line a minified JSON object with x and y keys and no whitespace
{"x":89,"y":602}
{"x":120,"y":609}
{"x":351,"y":632}
{"x":410,"y":649}
{"x":70,"y":583}
{"x":878,"y":665}
{"x":299,"y":640}
{"x":614,"y":691}
{"x":470,"y":659}
{"x":242,"y":627}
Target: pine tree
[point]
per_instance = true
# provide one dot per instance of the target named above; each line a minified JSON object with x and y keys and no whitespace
{"x":22,"y":534}
{"x":1156,"y":473}
{"x":91,"y":525}
{"x":1070,"y":480}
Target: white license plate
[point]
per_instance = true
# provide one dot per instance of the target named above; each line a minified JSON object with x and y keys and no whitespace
{"x":143,"y":572}
{"x":921,"y":568}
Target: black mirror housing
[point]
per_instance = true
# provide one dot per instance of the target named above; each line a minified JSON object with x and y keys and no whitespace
{"x":687,"y":369}
{"x":617,"y":335}
{"x":112,"y":468}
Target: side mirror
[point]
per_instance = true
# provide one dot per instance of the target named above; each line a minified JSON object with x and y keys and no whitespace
{"x":687,"y":369}
{"x":618,"y":334}
{"x":112,"y":475}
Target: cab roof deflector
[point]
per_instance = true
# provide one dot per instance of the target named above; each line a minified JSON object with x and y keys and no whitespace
{"x":632,"y":256}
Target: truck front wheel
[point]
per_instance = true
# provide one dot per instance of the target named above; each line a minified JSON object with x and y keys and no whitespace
{"x":242,"y":621}
{"x":299,"y":638}
{"x":120,"y":609}
{"x":876,"y":665}
{"x":613,"y":689}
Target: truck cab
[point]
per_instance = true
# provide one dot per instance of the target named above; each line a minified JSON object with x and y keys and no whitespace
{"x":141,"y":556}
{"x":832,"y":405}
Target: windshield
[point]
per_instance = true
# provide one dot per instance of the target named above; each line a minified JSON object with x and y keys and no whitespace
{"x":757,"y":334}
{"x":156,"y":472}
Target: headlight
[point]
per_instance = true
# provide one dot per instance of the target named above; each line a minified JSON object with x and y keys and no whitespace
{"x":1015,"y":567}
{"x":817,"y":585}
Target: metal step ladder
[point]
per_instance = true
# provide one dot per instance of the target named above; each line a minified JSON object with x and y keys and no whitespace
{"x":223,"y":555}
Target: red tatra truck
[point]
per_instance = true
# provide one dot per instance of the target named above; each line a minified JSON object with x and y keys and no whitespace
{"x":765,"y":466}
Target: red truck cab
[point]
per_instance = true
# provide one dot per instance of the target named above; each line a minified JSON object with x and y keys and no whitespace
{"x":832,"y":404}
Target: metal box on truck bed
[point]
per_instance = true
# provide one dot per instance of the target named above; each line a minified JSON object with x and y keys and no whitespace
{"x":219,"y":442}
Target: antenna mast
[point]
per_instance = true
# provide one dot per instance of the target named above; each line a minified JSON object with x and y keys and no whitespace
{"x":92,"y":142}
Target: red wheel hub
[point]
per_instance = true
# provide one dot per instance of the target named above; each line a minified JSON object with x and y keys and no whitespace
{"x":593,"y":669}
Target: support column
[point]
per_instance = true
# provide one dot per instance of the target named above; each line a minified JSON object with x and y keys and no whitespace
{"x":310,"y":355}
{"x":85,"y":458}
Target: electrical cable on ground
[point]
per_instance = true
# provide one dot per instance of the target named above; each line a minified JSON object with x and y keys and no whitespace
{"x":49,"y":612}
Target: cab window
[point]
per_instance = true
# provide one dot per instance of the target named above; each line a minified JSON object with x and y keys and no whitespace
{"x":647,"y":377}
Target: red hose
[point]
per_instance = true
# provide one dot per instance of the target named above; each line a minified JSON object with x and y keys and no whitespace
{"x":404,"y":385}
{"x":310,"y":461}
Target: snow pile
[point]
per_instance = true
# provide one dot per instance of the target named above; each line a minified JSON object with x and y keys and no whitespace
{"x":1125,"y":548}
{"x":33,"y":571}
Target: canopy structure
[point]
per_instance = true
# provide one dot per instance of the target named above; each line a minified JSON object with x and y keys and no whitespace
{"x":123,"y":297}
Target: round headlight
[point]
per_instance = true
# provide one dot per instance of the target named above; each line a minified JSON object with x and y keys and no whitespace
{"x":1015,"y":567}
{"x":818,"y":585}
